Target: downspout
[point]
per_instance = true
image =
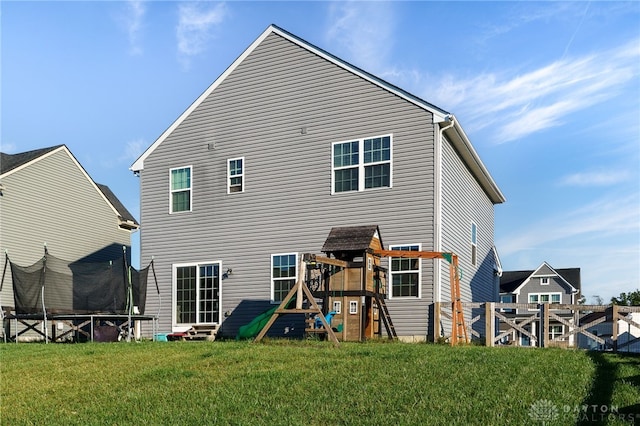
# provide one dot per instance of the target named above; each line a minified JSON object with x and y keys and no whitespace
{"x":438,"y":204}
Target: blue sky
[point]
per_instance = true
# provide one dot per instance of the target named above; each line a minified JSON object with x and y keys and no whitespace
{"x":548,"y":93}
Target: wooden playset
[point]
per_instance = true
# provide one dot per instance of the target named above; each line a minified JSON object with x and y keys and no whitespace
{"x":350,"y":284}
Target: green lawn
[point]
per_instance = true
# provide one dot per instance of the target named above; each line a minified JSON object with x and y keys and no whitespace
{"x":312,"y":383}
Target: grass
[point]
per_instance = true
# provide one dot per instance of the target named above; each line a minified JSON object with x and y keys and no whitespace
{"x":311,"y":383}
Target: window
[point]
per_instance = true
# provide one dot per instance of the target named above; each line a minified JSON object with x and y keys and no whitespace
{"x":405,"y":273}
{"x":361,"y":164}
{"x":544,"y":281}
{"x":197,"y":293}
{"x":180,"y":190}
{"x":553,"y":298}
{"x":353,"y":307}
{"x":556,"y":331}
{"x":235,"y":175}
{"x":507,"y":298}
{"x":283,"y":275}
{"x":337,"y":307}
{"x":474,"y":244}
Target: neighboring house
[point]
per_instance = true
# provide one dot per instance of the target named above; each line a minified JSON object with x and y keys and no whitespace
{"x":628,"y":334}
{"x":542,"y":285}
{"x":289,"y":142}
{"x":46,"y":197}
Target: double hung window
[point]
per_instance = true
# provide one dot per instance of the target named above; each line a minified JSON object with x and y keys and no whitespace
{"x":235,"y":175}
{"x":284,"y":273}
{"x":361,"y":164}
{"x":405,"y":273}
{"x":180,"y":190}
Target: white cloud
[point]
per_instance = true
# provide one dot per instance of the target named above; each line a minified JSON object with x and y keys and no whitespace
{"x":8,"y":147}
{"x":596,"y":178}
{"x":133,"y":150}
{"x":517,"y":105}
{"x":607,"y":217}
{"x":131,"y":20}
{"x":196,"y":22}
{"x":363,"y":32}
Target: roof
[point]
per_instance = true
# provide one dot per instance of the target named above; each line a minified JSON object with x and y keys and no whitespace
{"x":351,"y":238}
{"x":510,"y":281}
{"x":125,"y":216}
{"x":10,"y":163}
{"x":453,"y":129}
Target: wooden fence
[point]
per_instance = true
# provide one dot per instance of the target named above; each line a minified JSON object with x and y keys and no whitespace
{"x":546,"y":325}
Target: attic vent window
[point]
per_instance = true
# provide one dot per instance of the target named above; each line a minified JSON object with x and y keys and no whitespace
{"x":361,"y":164}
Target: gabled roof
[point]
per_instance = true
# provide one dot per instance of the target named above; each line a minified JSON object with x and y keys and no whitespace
{"x":351,"y":238}
{"x":11,"y":163}
{"x":513,"y":281}
{"x":454,"y":131}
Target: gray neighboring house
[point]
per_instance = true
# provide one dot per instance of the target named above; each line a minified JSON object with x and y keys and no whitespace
{"x":289,"y":142}
{"x":46,"y":196}
{"x":542,"y":285}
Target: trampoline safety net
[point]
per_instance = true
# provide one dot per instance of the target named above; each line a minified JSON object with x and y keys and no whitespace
{"x":78,"y":287}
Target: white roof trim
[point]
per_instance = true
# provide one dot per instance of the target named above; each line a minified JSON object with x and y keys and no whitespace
{"x":534,"y":274}
{"x":78,"y":165}
{"x":459,"y":139}
{"x":438,"y":115}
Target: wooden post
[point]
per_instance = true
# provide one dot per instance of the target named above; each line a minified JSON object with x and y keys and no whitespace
{"x":437,"y":332}
{"x":614,"y":327}
{"x":489,"y":323}
{"x":544,"y":325}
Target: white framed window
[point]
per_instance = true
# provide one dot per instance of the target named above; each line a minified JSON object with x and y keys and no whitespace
{"x":552,"y":298}
{"x":544,"y":281}
{"x":196,"y":293}
{"x":180,"y":193}
{"x":556,"y":331}
{"x":284,"y":273}
{"x":405,"y":273}
{"x":474,"y":244}
{"x":353,"y":307}
{"x":507,"y":298}
{"x":337,"y":307}
{"x":361,"y":164}
{"x":235,"y":175}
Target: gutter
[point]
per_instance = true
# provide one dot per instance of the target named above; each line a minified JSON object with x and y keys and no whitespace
{"x":437,"y":276}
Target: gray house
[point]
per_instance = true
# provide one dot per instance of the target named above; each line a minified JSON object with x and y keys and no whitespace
{"x":46,"y":196}
{"x":542,"y":285}
{"x":289,"y":142}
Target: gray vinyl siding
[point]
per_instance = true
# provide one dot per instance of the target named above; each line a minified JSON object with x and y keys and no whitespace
{"x":556,"y":285}
{"x":257,"y":113}
{"x":463,"y":203}
{"x":51,"y":201}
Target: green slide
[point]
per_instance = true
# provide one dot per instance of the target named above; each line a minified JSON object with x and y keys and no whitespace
{"x":251,"y":330}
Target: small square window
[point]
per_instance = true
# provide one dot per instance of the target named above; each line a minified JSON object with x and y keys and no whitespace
{"x":337,"y":307}
{"x":544,"y":281}
{"x":353,"y":307}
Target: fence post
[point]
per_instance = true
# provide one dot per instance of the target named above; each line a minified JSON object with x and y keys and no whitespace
{"x":614,"y":327}
{"x":490,"y":323}
{"x":544,"y":326}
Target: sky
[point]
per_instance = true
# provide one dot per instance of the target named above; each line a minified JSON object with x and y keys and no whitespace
{"x":548,"y":93}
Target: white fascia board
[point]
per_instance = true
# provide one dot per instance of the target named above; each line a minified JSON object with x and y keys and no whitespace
{"x":461,"y":142}
{"x":91,"y":181}
{"x":139,"y":163}
{"x":438,"y":116}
